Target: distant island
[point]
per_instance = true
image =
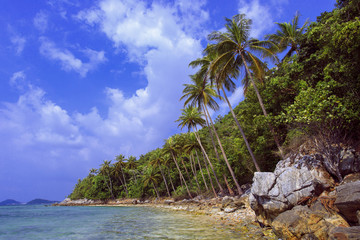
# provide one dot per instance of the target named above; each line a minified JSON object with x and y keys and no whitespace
{"x":37,"y":201}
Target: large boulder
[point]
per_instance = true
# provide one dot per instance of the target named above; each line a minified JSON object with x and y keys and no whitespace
{"x":347,"y":233}
{"x":349,"y":162}
{"x":303,"y":222}
{"x":348,"y":200}
{"x":293,"y":180}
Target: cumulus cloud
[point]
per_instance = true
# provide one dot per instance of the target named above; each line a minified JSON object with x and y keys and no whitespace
{"x":19,"y":44}
{"x":41,"y":21}
{"x":259,"y":14}
{"x":67,"y":59}
{"x":18,"y":80}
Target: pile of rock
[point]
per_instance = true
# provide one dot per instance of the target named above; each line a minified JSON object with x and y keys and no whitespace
{"x":301,"y":200}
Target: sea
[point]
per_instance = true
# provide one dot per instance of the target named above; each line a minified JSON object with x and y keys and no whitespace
{"x":84,"y":222}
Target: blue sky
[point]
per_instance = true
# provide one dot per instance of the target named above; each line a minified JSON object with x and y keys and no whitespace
{"x":82,"y":81}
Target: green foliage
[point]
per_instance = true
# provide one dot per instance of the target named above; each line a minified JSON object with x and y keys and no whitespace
{"x":316,"y":91}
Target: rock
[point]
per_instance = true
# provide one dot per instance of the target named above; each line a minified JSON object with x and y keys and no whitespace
{"x":353,"y":177}
{"x":292,"y":181}
{"x":349,"y":162}
{"x":168,"y":202}
{"x":135,"y":201}
{"x":358,"y":216}
{"x":346,"y":233}
{"x":230,"y":210}
{"x":348,"y":200}
{"x":303,"y":222}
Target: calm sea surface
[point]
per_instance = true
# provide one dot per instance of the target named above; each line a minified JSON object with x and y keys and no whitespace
{"x":40,"y":222}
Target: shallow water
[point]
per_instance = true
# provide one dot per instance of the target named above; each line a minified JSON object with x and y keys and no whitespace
{"x":40,"y":222}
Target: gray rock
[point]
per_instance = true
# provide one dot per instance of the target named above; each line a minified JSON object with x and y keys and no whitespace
{"x":349,"y":162}
{"x":348,"y":200}
{"x":168,"y":202}
{"x":230,"y":210}
{"x":348,"y":233}
{"x":292,"y":180}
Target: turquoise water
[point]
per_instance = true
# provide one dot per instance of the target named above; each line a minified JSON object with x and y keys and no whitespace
{"x":40,"y":222}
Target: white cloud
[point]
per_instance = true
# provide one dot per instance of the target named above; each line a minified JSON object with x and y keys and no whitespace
{"x":68,"y":61}
{"x":259,"y":14}
{"x":19,"y":43}
{"x":17,"y":80}
{"x":41,"y":21}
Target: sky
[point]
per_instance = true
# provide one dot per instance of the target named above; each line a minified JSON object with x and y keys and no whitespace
{"x":82,"y":81}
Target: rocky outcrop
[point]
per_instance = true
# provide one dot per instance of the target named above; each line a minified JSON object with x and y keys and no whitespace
{"x":348,"y":200}
{"x":293,"y":180}
{"x":346,"y":233}
{"x":349,"y":162}
{"x":303,"y":222}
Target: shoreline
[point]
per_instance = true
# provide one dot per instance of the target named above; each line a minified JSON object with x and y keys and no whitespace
{"x":238,"y":216}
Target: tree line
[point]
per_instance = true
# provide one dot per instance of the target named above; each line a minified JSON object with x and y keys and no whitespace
{"x":311,"y":95}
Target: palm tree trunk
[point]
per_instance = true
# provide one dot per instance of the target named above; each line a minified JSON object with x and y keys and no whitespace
{"x":126,"y":190}
{"x":202,"y":174}
{"x":111,"y":191}
{"x":228,"y":186}
{"x":263,"y":107}
{"x":242,"y":132}
{"x":207,"y":169}
{"x":187,"y":173}
{"x":194,"y":171}
{"x":224,"y":155}
{"x":157,"y":193}
{"x":181,"y":176}
{"x":207,"y":157}
{"x":167,"y":188}
{"x":172,"y":185}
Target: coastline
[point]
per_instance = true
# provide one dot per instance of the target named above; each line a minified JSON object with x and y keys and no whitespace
{"x":238,"y":216}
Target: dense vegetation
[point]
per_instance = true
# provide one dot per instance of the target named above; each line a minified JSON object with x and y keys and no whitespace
{"x":313,"y":94}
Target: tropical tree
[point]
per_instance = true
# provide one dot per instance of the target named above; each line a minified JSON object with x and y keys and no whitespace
{"x":156,"y":162}
{"x":151,"y":176}
{"x":105,"y":171}
{"x":288,"y":35}
{"x":202,"y":94}
{"x":235,"y":50}
{"x":170,"y":148}
{"x":119,"y":165}
{"x":191,"y":117}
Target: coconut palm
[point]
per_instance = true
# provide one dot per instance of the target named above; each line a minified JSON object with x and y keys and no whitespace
{"x":288,"y":35}
{"x":235,"y":50}
{"x":202,"y":94}
{"x":105,"y":171}
{"x":119,"y":165}
{"x":151,"y":176}
{"x":156,"y":162}
{"x":191,"y":117}
{"x":191,"y":146}
{"x":170,"y":148}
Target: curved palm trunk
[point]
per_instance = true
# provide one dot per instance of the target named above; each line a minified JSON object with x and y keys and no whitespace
{"x":207,"y":157}
{"x":181,"y":176}
{"x":187,"y":173}
{"x":210,"y":179}
{"x":157,"y":193}
{"x":126,"y":190}
{"x":242,"y":132}
{"x":228,"y":186}
{"x":167,"y":188}
{"x":263,"y":107}
{"x":109,"y":187}
{"x":193,"y":169}
{"x":172,"y":185}
{"x":224,"y":155}
{"x":202,"y":174}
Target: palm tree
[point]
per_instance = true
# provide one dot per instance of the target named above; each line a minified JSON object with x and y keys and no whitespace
{"x":151,"y":176}
{"x":131,"y":165}
{"x":166,"y":164}
{"x":202,"y":94}
{"x":191,"y":117}
{"x":170,"y":148}
{"x":234,"y":49}
{"x":288,"y":35}
{"x":105,"y":171}
{"x":156,"y":162}
{"x":119,"y":165}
